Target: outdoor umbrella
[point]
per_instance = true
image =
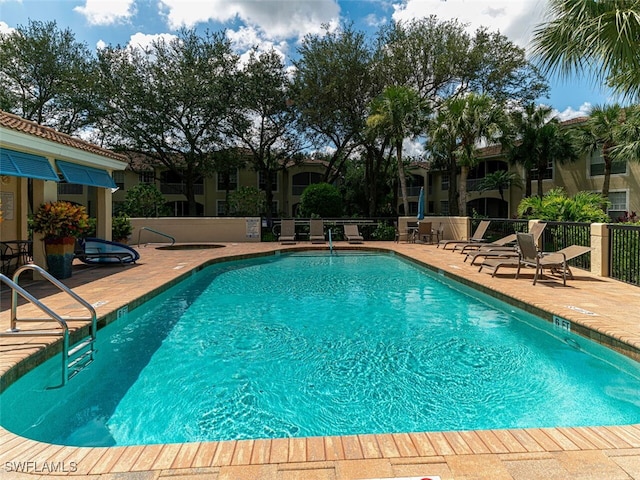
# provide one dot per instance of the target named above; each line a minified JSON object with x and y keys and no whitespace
{"x":421,"y":204}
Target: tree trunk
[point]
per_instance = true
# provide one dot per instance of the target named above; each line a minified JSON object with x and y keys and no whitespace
{"x":454,"y":209}
{"x":607,"y":177}
{"x":403,"y":179}
{"x":527,"y":182}
{"x":540,"y":180}
{"x":464,"y":173}
{"x":268,"y":195}
{"x":370,"y":182}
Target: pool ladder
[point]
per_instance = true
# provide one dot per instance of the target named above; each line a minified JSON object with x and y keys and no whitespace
{"x":82,"y":353}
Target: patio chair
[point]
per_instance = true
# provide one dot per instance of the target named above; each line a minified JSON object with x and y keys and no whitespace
{"x":478,"y":236}
{"x":529,"y":256}
{"x":287,"y":232}
{"x":7,"y":257}
{"x":96,"y":251}
{"x":316,"y":231}
{"x":490,"y":250}
{"x":425,"y":232}
{"x":352,"y":234}
{"x":467,"y":248}
{"x":556,"y":262}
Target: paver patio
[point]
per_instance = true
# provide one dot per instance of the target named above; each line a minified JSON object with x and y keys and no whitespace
{"x":603,"y":309}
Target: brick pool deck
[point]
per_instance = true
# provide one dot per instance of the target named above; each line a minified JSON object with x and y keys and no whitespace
{"x":606,"y":310}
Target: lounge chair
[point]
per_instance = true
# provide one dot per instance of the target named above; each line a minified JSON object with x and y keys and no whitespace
{"x":425,"y":232}
{"x":352,"y":234}
{"x":287,"y":232}
{"x":531,"y":257}
{"x":316,"y":231}
{"x":554,"y":261}
{"x":467,"y":248}
{"x":478,"y":236}
{"x":490,"y":250}
{"x":94,"y":251}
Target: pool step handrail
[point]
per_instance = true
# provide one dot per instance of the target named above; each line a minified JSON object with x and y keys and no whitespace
{"x":173,"y":240}
{"x":82,"y":353}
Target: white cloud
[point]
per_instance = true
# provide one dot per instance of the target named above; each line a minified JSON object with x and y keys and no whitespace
{"x":100,"y":12}
{"x":514,"y":19}
{"x":374,"y":20}
{"x":143,"y":40}
{"x":246,"y":39}
{"x":569,"y":112}
{"x":5,"y":29}
{"x":275,"y":19}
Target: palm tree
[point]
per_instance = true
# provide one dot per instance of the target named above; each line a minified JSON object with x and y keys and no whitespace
{"x":601,"y":36}
{"x":540,"y":141}
{"x":456,"y":132}
{"x":628,"y":137}
{"x":501,"y":181}
{"x":601,"y":134}
{"x":398,"y":113}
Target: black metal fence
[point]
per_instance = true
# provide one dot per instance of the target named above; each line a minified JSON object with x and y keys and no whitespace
{"x":501,"y":227}
{"x":371,"y":228}
{"x":624,"y":253}
{"x":624,"y":244}
{"x":558,"y":235}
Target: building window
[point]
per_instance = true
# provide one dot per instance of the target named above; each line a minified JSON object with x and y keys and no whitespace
{"x":444,"y":182}
{"x":274,"y":181}
{"x":547,"y":174}
{"x":118,"y":178}
{"x":618,"y":205}
{"x":444,"y":207}
{"x":146,"y":177}
{"x":172,"y":183}
{"x":227,"y":180}
{"x":596,"y":165}
{"x":221,"y":208}
{"x":300,"y":181}
{"x":70,"y":189}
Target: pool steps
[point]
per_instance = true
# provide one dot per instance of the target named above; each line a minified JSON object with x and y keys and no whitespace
{"x":82,"y":352}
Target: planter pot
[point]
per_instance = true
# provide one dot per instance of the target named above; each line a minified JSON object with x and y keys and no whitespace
{"x":60,"y":253}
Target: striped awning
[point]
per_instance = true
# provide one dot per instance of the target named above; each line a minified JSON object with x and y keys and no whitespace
{"x":79,"y":174}
{"x":20,"y":164}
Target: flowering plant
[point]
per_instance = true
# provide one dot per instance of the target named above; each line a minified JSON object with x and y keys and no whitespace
{"x":60,"y":219}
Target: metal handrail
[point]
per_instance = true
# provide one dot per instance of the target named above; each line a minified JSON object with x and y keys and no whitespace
{"x":173,"y":240}
{"x":16,"y":290}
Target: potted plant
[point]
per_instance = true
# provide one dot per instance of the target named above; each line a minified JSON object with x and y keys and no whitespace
{"x":60,"y":223}
{"x":121,"y":228}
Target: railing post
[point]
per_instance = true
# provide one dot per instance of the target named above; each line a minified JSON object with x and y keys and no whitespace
{"x":600,"y":245}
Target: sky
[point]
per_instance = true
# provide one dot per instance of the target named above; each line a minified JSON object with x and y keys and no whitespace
{"x":281,"y":24}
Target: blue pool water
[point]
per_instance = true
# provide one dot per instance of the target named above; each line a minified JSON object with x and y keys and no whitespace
{"x":305,"y":345}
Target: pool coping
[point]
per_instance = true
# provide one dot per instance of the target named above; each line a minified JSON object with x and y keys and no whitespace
{"x":314,"y":452}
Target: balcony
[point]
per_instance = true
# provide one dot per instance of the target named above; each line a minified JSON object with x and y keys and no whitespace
{"x":178,"y":188}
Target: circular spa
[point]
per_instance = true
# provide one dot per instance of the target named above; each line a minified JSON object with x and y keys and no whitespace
{"x":312,"y":344}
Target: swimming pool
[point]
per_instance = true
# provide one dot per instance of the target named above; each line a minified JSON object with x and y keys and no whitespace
{"x":322,"y":345}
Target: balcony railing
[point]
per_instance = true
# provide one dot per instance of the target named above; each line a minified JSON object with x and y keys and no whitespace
{"x":178,"y":188}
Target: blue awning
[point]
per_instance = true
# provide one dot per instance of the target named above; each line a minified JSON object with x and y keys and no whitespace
{"x":20,"y":164}
{"x":82,"y":175}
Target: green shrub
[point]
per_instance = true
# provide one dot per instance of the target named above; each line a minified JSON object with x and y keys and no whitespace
{"x":556,"y":206}
{"x":321,"y":200}
{"x":384,"y":232}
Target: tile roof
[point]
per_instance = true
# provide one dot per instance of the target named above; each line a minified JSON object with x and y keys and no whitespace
{"x":14,"y":122}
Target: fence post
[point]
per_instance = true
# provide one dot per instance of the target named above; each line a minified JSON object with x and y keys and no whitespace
{"x":600,"y":246}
